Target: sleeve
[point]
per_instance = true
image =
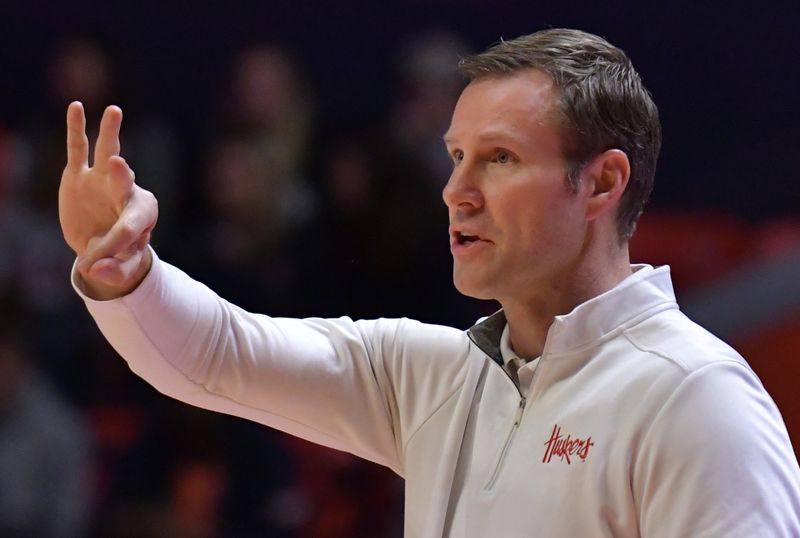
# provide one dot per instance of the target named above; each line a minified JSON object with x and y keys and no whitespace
{"x":717,"y":461}
{"x":363,"y":387}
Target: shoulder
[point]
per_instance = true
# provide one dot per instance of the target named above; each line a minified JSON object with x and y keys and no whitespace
{"x":714,"y":406}
{"x":414,"y":349}
{"x":672,"y":337}
{"x":408,"y":335}
{"x":715,"y":454}
{"x":704,"y":384}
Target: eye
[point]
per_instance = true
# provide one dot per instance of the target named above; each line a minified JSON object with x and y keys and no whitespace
{"x":502,"y":157}
{"x":458,"y":156}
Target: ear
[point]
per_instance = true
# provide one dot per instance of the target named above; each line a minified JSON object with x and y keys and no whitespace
{"x":606,"y":177}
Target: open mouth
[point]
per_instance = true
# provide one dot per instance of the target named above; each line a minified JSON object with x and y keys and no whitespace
{"x":466,"y":239}
{"x":461,"y":240}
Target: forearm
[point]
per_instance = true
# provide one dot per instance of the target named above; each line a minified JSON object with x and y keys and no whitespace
{"x":311,"y":378}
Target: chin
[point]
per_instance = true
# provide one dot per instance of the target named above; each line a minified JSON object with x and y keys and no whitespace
{"x":472,"y":287}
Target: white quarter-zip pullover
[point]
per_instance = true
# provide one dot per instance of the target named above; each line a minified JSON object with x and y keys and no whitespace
{"x":637,"y":422}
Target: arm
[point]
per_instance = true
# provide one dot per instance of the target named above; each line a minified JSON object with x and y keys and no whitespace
{"x":717,"y":461}
{"x":364,"y":387}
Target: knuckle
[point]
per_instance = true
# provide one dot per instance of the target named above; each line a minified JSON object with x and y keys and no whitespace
{"x":128,"y":227}
{"x":152,"y":200}
{"x":149,"y":201}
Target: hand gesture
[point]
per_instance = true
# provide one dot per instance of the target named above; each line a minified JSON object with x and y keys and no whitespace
{"x":105,"y":217}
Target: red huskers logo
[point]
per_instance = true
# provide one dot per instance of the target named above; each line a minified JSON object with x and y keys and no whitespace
{"x":563,"y":447}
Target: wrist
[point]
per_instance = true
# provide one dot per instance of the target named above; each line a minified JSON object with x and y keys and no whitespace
{"x":101,"y":289}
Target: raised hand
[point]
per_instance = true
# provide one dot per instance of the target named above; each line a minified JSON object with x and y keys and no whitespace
{"x":106,"y":218}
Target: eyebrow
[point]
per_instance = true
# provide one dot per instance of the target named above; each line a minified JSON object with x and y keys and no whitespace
{"x":489,"y":136}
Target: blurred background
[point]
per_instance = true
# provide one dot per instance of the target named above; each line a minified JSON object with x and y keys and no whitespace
{"x":295,"y":149}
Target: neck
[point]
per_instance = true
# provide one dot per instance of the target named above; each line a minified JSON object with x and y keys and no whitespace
{"x":530,"y":316}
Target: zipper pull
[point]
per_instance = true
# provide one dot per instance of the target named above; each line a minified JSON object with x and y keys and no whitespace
{"x":520,"y":410}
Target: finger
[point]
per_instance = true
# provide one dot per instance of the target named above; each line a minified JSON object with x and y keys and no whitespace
{"x":120,"y":181}
{"x":108,"y":137}
{"x":137,"y":219}
{"x":77,"y":143}
{"x":143,"y":241}
{"x":115,"y":271}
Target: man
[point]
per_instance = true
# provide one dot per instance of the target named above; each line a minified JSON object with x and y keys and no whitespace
{"x":588,"y":406}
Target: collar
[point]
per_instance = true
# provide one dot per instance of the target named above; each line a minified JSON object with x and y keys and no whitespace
{"x":506,"y":351}
{"x":642,"y":294}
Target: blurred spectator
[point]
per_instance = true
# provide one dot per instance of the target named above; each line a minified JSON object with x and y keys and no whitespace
{"x":429,"y":85}
{"x":258,"y":199}
{"x":337,"y":495}
{"x":268,"y":104}
{"x":89,"y":70}
{"x":44,"y":449}
{"x":269,"y":109}
{"x":83,"y":69}
{"x":414,"y":166}
{"x":429,"y":88}
{"x":57,"y":328}
{"x":13,"y":174}
{"x":191,"y":508}
{"x":382,"y":232}
{"x":384,"y":250}
{"x":197,"y":474}
{"x":355,"y":240}
{"x":174,"y":477}
{"x":33,"y":258}
{"x":244,"y":245}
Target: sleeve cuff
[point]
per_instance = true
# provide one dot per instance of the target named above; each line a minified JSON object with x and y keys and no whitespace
{"x":79,"y":287}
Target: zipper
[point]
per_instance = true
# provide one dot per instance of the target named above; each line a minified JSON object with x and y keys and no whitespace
{"x":499,"y":465}
{"x":520,"y":409}
{"x":517,"y":421}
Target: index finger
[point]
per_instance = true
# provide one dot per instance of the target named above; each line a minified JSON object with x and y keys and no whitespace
{"x":77,"y":142}
{"x":108,"y":136}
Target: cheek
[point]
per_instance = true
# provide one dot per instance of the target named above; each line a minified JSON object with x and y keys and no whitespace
{"x":546,"y":222}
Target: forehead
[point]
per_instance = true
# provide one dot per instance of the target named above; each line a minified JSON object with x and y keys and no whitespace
{"x":521,"y":105}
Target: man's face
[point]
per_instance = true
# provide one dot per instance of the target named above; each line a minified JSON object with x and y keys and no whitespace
{"x":516,"y":228}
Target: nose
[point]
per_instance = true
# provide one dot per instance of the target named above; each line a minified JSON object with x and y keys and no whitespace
{"x":461,"y":190}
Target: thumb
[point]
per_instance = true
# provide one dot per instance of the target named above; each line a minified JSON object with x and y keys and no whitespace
{"x":118,"y":272}
{"x":130,"y":232}
{"x":110,"y":278}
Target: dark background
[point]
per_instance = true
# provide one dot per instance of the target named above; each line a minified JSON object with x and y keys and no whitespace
{"x":724,"y":74}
